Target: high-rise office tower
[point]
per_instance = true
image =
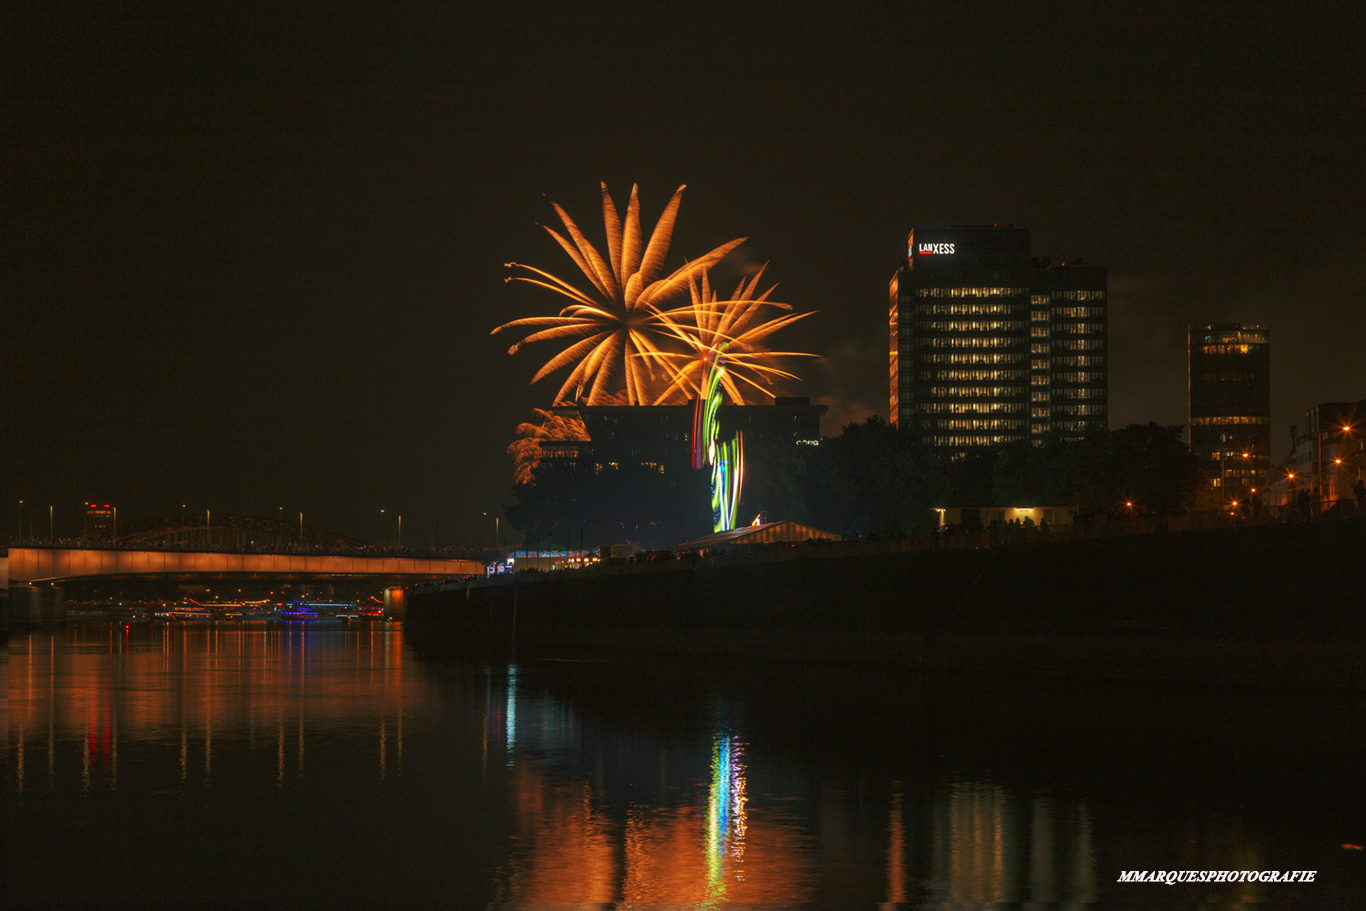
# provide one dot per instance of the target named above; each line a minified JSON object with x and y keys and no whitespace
{"x":1230,"y":405}
{"x":989,"y":345}
{"x":99,"y":520}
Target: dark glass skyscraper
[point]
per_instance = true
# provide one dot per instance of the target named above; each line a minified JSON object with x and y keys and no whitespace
{"x":1230,"y":405}
{"x":989,"y":345}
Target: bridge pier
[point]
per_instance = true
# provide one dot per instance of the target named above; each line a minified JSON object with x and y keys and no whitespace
{"x":37,"y":603}
{"x":395,"y":602}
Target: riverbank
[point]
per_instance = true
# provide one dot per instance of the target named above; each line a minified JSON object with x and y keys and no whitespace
{"x":1280,"y":604}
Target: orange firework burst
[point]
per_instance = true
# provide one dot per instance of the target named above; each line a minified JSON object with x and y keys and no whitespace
{"x":528,"y":450}
{"x":732,"y":328}
{"x":617,"y":326}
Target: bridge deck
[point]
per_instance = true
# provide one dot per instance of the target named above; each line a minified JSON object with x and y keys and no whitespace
{"x":54,"y":564}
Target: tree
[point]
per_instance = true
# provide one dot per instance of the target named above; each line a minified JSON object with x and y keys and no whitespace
{"x":871,"y":479}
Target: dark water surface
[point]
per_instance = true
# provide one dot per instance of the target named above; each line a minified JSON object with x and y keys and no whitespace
{"x":338,"y":766}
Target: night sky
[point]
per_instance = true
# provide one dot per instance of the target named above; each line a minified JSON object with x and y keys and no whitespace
{"x":252,"y":257}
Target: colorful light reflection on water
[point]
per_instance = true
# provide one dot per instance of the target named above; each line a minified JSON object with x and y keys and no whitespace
{"x":306,"y":765}
{"x":725,"y":816}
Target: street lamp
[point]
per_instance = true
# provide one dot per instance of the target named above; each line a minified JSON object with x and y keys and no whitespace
{"x":380,"y":540}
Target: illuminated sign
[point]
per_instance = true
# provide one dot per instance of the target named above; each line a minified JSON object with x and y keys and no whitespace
{"x":931,"y":249}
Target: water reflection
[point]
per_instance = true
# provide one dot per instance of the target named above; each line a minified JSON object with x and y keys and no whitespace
{"x":592,"y":827}
{"x":725,"y":817}
{"x":469,"y":781}
{"x":198,"y":687}
{"x":987,"y":851}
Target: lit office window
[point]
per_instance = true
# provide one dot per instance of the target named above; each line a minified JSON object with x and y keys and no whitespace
{"x":1233,"y":419}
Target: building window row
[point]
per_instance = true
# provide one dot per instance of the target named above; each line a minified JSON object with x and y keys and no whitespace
{"x":970,"y":292}
{"x":1225,"y":377}
{"x":1075,"y":426}
{"x":1233,"y":419}
{"x":1226,"y":349}
{"x":975,"y":392}
{"x":1078,"y":295}
{"x":946,"y":442}
{"x":1079,"y":344}
{"x":1078,"y":409}
{"x":1235,"y":337}
{"x":979,"y":375}
{"x":969,"y":325}
{"x":1077,"y":312}
{"x":1079,"y":360}
{"x":961,"y":342}
{"x":1079,"y":376}
{"x":981,"y":424}
{"x":972,"y":408}
{"x":939,"y":357}
{"x":967,"y":309}
{"x":1083,"y":393}
{"x":1078,"y":328}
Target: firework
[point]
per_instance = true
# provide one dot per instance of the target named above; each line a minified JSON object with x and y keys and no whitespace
{"x":528,"y":450}
{"x":734,"y":326}
{"x":617,"y":326}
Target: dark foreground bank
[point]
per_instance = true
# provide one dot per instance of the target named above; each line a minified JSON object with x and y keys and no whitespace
{"x":1273,"y":604}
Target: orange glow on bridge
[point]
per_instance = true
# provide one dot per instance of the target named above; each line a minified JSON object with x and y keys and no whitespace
{"x":51,"y":564}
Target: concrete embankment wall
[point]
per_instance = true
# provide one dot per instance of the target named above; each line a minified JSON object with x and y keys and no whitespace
{"x":1273,"y":603}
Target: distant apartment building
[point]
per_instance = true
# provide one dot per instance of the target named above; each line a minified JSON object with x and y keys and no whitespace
{"x":1230,"y":405}
{"x":1327,"y":461}
{"x":99,"y":520}
{"x":990,"y":345}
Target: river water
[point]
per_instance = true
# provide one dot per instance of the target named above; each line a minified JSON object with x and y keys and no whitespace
{"x":275,"y":765}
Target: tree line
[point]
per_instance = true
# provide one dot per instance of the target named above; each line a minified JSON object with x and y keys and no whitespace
{"x":872,"y":479}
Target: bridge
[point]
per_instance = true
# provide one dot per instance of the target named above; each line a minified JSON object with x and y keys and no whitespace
{"x":61,"y":564}
{"x":188,"y":548}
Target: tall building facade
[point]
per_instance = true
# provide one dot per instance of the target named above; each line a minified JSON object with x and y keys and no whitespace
{"x":990,"y":345}
{"x":100,"y":520}
{"x":1230,"y":405}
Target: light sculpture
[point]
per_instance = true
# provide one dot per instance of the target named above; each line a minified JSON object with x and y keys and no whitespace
{"x":726,"y":458}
